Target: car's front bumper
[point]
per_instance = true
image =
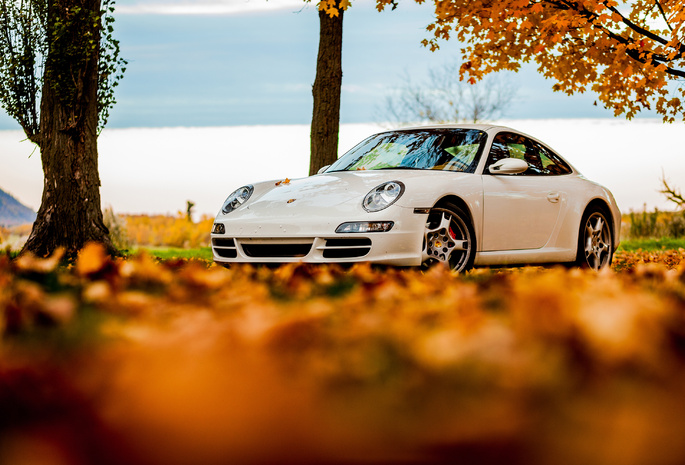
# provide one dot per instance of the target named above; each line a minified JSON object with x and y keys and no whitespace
{"x":314,"y":240}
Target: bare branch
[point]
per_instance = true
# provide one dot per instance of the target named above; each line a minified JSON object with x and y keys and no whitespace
{"x":672,"y":194}
{"x":443,"y":98}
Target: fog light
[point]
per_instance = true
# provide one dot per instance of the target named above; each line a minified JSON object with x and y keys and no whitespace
{"x":218,"y":228}
{"x":365,"y":227}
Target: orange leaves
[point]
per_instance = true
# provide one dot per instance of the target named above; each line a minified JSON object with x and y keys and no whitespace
{"x":632,"y":260}
{"x":91,"y":259}
{"x":606,"y":46}
{"x":314,"y":364}
{"x":333,"y":7}
{"x":31,"y":263}
{"x":170,"y":231}
{"x":285,"y":181}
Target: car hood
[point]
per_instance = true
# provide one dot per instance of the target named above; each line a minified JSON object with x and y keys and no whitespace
{"x":342,"y":191}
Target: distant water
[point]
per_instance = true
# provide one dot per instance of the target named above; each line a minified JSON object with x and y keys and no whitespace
{"x":157,"y":170}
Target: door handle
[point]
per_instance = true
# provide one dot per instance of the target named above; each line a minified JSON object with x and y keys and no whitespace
{"x":553,"y":197}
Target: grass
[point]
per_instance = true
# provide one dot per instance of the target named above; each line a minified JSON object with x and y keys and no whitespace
{"x":650,"y":245}
{"x":166,"y":253}
{"x":629,"y":245}
{"x":205,"y":253}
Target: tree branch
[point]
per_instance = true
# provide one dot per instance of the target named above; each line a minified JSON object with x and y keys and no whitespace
{"x":671,"y":193}
{"x":650,"y":57}
{"x":639,"y":29}
{"x":663,"y":14}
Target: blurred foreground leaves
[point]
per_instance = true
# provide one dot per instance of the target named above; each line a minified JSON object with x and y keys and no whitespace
{"x":140,"y":362}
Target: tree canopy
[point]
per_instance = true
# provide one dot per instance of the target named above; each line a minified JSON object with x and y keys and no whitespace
{"x":631,"y":53}
{"x":29,"y":30}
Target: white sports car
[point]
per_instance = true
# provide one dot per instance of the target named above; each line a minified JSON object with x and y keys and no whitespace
{"x":464,"y":195}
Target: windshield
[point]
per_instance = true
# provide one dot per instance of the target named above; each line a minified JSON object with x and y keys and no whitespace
{"x":425,"y":149}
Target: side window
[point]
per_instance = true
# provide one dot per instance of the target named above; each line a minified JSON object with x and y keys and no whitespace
{"x":551,"y":163}
{"x":510,"y":145}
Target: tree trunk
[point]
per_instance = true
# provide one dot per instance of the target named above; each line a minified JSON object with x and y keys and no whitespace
{"x":326,"y":92}
{"x":70,"y":214}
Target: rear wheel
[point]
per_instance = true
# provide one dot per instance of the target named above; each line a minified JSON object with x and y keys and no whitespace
{"x":595,"y":242}
{"x":449,"y":238}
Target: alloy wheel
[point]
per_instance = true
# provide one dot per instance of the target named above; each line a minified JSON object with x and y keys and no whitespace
{"x":447,"y":240}
{"x":597,"y":241}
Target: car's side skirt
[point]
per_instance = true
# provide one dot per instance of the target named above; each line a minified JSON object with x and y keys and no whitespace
{"x":517,"y":257}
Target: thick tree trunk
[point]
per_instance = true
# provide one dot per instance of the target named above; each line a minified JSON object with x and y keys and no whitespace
{"x":326,"y":91}
{"x":70,"y":214}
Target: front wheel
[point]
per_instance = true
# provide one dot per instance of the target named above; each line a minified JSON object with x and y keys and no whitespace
{"x":449,"y":238}
{"x":595,"y":242}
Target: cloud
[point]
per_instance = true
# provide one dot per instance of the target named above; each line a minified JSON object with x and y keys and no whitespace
{"x":209,"y":7}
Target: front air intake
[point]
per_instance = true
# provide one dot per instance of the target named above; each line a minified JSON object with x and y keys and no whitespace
{"x":347,"y":248}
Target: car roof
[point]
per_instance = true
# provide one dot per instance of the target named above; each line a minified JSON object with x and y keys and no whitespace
{"x":480,"y":126}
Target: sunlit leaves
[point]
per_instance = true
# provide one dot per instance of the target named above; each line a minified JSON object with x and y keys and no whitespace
{"x":169,"y":231}
{"x":630,"y":53}
{"x":303,"y":363}
{"x":332,"y":7}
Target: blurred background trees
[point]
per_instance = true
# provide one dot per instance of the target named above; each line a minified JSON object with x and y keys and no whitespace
{"x":443,"y":98}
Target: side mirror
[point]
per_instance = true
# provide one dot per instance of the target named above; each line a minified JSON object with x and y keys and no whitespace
{"x":508,"y":166}
{"x":322,"y":169}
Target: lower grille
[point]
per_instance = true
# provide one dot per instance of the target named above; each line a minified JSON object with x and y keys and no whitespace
{"x":276,"y":250}
{"x":224,"y":247}
{"x":347,"y":248}
{"x":223,"y":242}
{"x":226,"y":253}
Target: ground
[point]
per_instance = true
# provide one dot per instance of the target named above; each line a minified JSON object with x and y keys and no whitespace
{"x":171,"y":362}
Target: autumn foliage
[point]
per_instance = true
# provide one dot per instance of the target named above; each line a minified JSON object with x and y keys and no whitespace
{"x":144,"y":362}
{"x":166,"y":230}
{"x":630,"y":53}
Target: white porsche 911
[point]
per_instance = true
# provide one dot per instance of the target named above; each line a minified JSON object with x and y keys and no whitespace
{"x":463,"y":195}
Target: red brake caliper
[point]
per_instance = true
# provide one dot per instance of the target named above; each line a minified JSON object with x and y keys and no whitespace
{"x":454,"y":236}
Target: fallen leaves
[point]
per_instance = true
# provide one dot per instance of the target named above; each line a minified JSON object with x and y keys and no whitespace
{"x":310,"y":364}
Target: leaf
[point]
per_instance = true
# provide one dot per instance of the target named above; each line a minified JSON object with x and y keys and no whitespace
{"x":91,"y":259}
{"x":29,"y":262}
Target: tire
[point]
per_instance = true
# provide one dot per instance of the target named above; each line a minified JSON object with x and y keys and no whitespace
{"x":595,"y":241}
{"x":449,"y":238}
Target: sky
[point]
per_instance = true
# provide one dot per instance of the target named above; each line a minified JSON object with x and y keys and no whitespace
{"x":246,"y":62}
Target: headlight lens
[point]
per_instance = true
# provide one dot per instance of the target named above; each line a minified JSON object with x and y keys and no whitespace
{"x":383,"y":196}
{"x":237,"y":198}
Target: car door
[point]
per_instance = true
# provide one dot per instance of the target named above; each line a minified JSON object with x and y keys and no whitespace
{"x":521,"y":211}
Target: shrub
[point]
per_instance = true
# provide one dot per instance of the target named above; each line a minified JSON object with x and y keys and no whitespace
{"x":655,"y":224}
{"x":117,"y":229}
{"x":168,"y":231}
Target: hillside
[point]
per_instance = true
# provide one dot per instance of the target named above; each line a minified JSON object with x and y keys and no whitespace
{"x":12,"y":212}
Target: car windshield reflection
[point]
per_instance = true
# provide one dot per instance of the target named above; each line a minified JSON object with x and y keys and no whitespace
{"x":431,"y":149}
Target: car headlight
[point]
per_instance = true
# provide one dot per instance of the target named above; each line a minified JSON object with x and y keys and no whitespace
{"x":237,"y":198}
{"x":383,"y":196}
